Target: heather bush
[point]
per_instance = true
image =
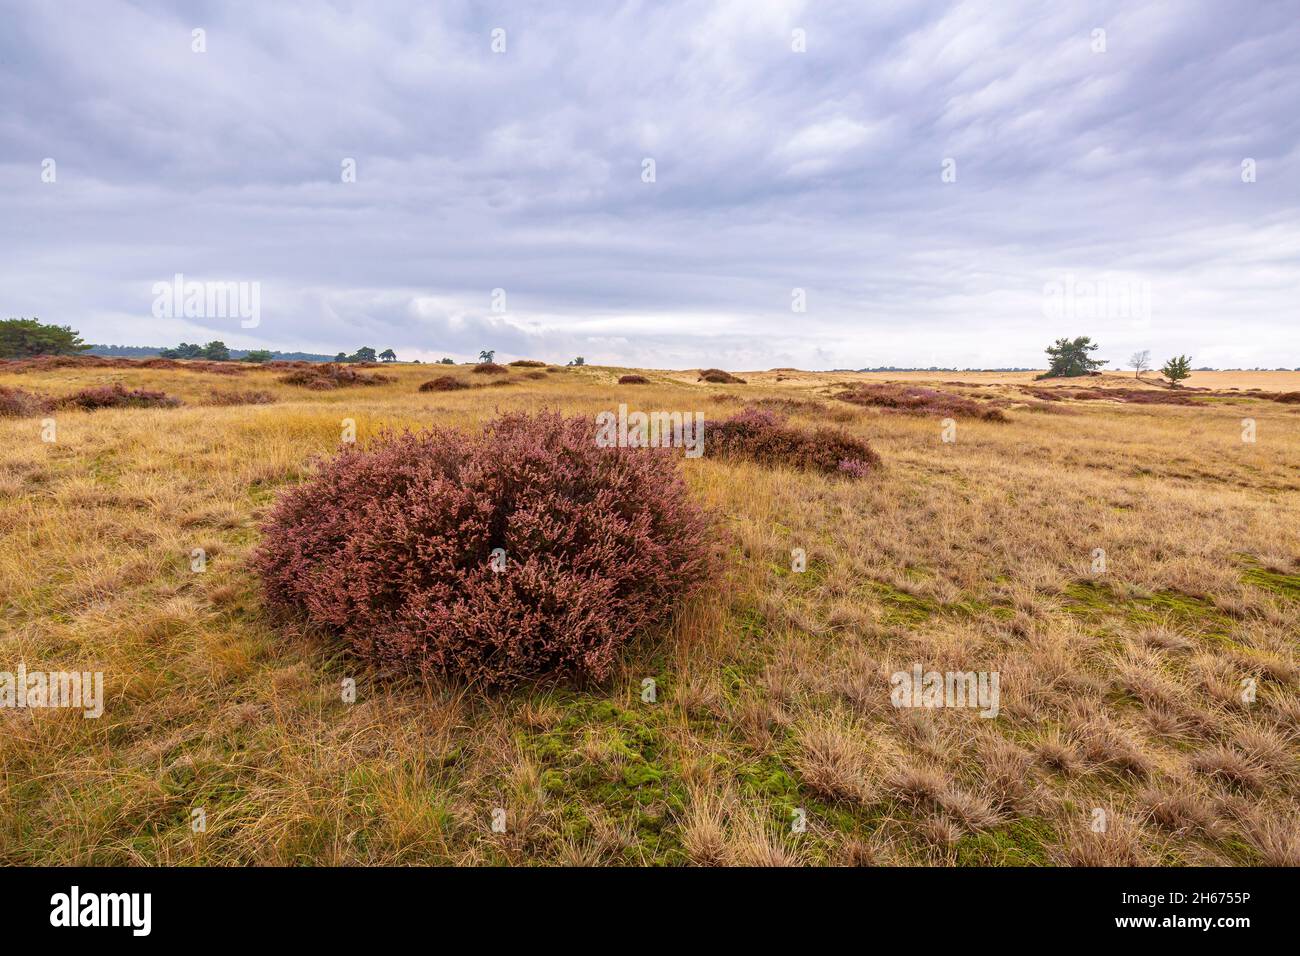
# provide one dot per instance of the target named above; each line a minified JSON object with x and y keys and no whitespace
{"x":443,"y":383}
{"x":331,"y":375}
{"x":633,"y":380}
{"x":490,"y":368}
{"x":528,"y":363}
{"x":919,"y":400}
{"x":19,"y":403}
{"x":764,"y":437}
{"x":719,"y":377}
{"x":391,"y":549}
{"x":118,"y":395}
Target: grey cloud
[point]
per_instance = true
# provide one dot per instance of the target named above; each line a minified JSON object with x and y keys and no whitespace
{"x":775,"y":170}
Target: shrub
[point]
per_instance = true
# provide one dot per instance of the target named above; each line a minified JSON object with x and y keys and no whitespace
{"x":241,"y":398}
{"x":1288,"y":398}
{"x":443,"y":383}
{"x":490,"y":368}
{"x":19,"y":403}
{"x":390,"y":549}
{"x":633,"y":380}
{"x":919,"y":400}
{"x":719,"y":377}
{"x":118,"y":395}
{"x":331,"y":375}
{"x":763,"y":437}
{"x":528,"y":363}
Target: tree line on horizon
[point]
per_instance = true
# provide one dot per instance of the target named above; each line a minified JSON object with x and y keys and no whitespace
{"x":28,"y":338}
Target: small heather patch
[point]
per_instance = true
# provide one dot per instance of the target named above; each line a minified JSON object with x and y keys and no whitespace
{"x":521,"y":551}
{"x":1129,"y":396}
{"x":490,"y":368}
{"x":919,"y":400}
{"x":241,"y":398}
{"x":19,"y":403}
{"x":528,"y":363}
{"x":719,"y":377}
{"x":633,"y":380}
{"x":443,"y":383}
{"x":118,"y":395}
{"x":763,"y":437}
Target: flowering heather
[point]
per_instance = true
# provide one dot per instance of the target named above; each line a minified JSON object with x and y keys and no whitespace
{"x":392,"y":548}
{"x":18,"y":403}
{"x":919,"y":400}
{"x":490,"y":368}
{"x":763,"y":437}
{"x":528,"y":363}
{"x":118,"y":395}
{"x":330,"y":375}
{"x":443,"y":383}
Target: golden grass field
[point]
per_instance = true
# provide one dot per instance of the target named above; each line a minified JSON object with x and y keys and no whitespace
{"x":1120,"y":692}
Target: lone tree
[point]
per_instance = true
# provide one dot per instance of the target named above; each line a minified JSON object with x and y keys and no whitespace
{"x":216,"y":351}
{"x":1140,"y":362}
{"x":257,"y":356}
{"x":487,"y":355}
{"x":363,"y":354}
{"x":446,"y":361}
{"x":578,"y":361}
{"x":1177,"y":368}
{"x":388,"y":355}
{"x":23,"y":338}
{"x":1070,"y":357}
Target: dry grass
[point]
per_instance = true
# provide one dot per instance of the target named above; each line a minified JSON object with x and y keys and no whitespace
{"x":1121,"y":691}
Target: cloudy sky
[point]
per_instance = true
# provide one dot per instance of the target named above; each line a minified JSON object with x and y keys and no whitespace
{"x":934,"y":183}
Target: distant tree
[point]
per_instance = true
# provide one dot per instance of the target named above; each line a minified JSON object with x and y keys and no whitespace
{"x":388,"y":355}
{"x":446,"y":361}
{"x":258,"y":356}
{"x":1139,"y":362}
{"x":578,"y":361}
{"x":215,"y":351}
{"x":21,"y":338}
{"x":1070,"y":357}
{"x":1176,"y":369}
{"x":341,"y":357}
{"x":364,"y":354}
{"x":487,"y":355}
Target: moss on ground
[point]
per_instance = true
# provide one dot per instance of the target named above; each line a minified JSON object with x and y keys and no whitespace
{"x":1096,"y":601}
{"x":1021,"y":842}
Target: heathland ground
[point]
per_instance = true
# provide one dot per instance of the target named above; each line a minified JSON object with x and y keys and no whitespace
{"x":1160,"y":690}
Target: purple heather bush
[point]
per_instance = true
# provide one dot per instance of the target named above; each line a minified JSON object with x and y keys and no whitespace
{"x":391,"y":549}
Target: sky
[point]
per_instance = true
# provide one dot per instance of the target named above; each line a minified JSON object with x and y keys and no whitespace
{"x":743,"y":184}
